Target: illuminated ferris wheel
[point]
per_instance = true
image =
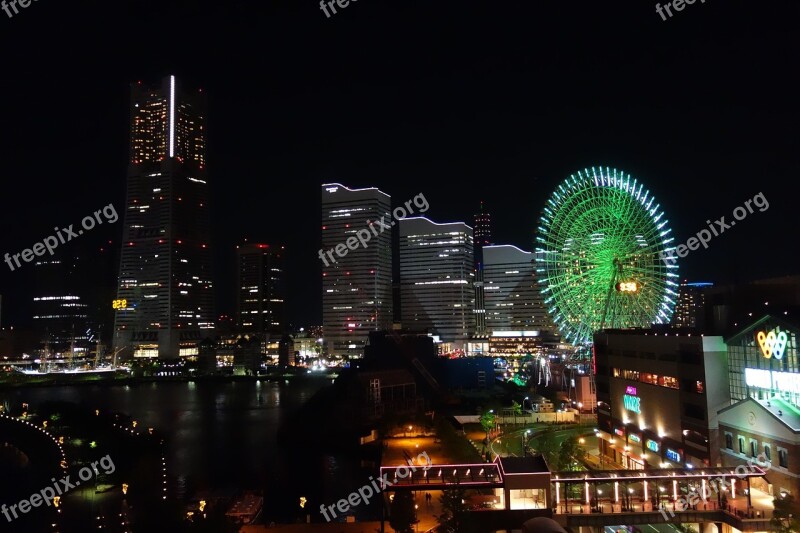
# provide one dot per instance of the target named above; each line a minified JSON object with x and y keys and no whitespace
{"x":598,"y":255}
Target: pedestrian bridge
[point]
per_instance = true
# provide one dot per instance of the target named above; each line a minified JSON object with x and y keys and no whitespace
{"x":438,"y":477}
{"x":598,"y":498}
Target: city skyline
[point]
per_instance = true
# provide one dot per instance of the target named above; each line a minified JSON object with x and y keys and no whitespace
{"x":538,"y":136}
{"x":355,"y":266}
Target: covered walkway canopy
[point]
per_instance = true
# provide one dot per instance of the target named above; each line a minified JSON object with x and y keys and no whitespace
{"x":655,"y":484}
{"x":479,"y":475}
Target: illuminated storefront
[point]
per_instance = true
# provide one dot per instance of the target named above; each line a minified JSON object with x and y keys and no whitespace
{"x":764,"y":418}
{"x":658,"y":392}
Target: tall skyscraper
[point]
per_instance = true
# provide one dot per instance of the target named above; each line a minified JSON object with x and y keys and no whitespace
{"x":483,"y":237}
{"x":513,"y":299}
{"x":356,"y":277}
{"x":260,"y":291}
{"x":165,"y":303}
{"x":483,"y":228}
{"x":690,"y":309}
{"x":436,"y":278}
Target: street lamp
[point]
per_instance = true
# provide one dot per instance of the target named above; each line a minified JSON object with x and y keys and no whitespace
{"x":525,"y":434}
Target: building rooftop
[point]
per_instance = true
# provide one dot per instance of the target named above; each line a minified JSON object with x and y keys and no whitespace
{"x":389,"y":377}
{"x":785,"y":412}
{"x":524,"y":465}
{"x":660,"y":331}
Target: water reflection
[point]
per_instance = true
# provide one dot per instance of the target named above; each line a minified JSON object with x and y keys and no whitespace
{"x":223,"y":436}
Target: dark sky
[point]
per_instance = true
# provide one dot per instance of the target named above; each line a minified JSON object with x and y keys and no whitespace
{"x":458,"y":100}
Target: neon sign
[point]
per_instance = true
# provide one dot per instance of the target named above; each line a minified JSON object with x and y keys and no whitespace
{"x":630,"y":390}
{"x":633,"y":437}
{"x":672,"y":455}
{"x":620,"y":432}
{"x":119,"y":304}
{"x":772,"y":343}
{"x":632,"y":403}
{"x":779,"y":381}
{"x":652,"y":445}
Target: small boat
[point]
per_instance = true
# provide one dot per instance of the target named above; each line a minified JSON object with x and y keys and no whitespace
{"x":246,"y":508}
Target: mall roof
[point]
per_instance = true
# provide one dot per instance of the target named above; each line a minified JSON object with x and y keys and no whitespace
{"x":785,"y":321}
{"x":660,"y":330}
{"x":785,"y":412}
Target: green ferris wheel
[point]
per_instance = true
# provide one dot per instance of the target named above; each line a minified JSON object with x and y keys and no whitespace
{"x":598,"y":250}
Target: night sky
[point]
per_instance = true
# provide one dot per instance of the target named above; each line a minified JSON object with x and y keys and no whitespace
{"x":461,"y":101}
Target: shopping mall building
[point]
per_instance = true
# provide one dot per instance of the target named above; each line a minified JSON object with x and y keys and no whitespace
{"x":764,"y":415}
{"x":670,"y":397}
{"x":658,"y":392}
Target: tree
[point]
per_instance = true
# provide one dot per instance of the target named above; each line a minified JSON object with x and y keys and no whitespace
{"x":453,"y":508}
{"x":487,"y":422}
{"x":517,"y":410}
{"x":569,"y":453}
{"x":547,"y":446}
{"x":402,"y":515}
{"x":786,"y":516}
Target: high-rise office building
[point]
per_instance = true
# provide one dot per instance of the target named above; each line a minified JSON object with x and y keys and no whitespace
{"x":260,"y":291}
{"x":690,"y":309}
{"x":165,"y":303}
{"x":483,"y":228}
{"x":73,"y":293}
{"x":436,"y":278}
{"x":513,"y":299}
{"x":60,"y":309}
{"x":356,"y":274}
{"x":483,"y":237}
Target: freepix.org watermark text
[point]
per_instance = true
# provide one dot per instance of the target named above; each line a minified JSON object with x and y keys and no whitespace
{"x":714,"y":230}
{"x":6,"y":4}
{"x":60,"y":487}
{"x":715,"y":485}
{"x":62,"y":236}
{"x":325,"y":5}
{"x":366,"y":492}
{"x":364,"y":235}
{"x":677,"y":5}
